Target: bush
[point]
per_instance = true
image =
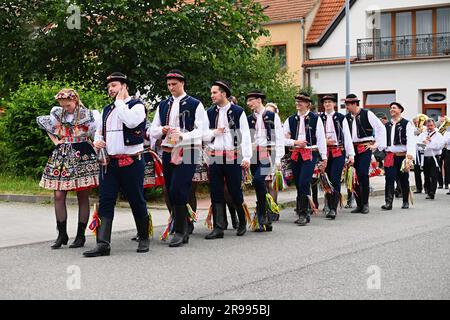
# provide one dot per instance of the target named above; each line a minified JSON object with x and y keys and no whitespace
{"x":25,"y":147}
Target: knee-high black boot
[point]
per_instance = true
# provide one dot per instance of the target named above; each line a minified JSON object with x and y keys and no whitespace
{"x":142,"y":226}
{"x":388,"y":197}
{"x":62,"y":238}
{"x":218,"y":211}
{"x":234,"y":219}
{"x":303,"y":205}
{"x":242,"y":228}
{"x":103,"y":247}
{"x":80,"y":239}
{"x":181,"y":235}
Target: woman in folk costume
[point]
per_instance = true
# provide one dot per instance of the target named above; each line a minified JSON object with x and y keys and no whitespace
{"x":73,"y":164}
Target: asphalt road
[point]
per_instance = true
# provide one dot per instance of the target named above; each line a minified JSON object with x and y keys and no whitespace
{"x":400,"y":254}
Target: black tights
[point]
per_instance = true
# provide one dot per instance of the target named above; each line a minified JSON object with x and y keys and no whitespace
{"x":83,"y":206}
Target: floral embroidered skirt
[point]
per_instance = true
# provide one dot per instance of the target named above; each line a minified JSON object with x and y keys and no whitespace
{"x":153,"y":174}
{"x":71,"y":167}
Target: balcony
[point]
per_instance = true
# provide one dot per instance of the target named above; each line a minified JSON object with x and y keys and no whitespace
{"x":404,"y":47}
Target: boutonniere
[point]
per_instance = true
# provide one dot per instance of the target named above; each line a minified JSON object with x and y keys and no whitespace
{"x":266,"y":118}
{"x":229,"y":112}
{"x":183,"y":103}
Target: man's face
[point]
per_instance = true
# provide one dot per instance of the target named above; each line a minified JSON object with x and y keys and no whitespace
{"x":114,"y":87}
{"x":217,"y":96}
{"x":302,"y":105}
{"x":253,"y":103}
{"x":329,"y":105}
{"x":395,"y":111}
{"x":351,"y":107}
{"x":431,"y":126}
{"x":175,"y":86}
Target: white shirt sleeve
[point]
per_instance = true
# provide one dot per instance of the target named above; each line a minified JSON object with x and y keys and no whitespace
{"x":199,"y":123}
{"x":279,"y":140}
{"x":94,"y":125}
{"x":447,"y":139}
{"x":156,"y":127}
{"x":98,"y":133}
{"x":246,"y":139}
{"x":380,"y":131}
{"x":348,"y":141}
{"x":436,"y":143}
{"x":321,"y":139}
{"x":130,"y":117}
{"x":410,"y":140}
{"x":289,"y":142}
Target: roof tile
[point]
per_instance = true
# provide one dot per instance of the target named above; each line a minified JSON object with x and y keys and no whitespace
{"x":324,"y":17}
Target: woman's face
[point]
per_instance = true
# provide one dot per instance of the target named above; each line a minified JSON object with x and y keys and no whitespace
{"x":68,"y":105}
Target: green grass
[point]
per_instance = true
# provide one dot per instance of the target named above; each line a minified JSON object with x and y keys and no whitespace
{"x":10,"y":184}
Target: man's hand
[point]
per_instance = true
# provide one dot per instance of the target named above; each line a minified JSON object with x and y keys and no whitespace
{"x":323,"y":165}
{"x":219,"y":131}
{"x":175,"y":134}
{"x":99,"y":144}
{"x":245,"y":164}
{"x":278,"y":165}
{"x":331,"y":142}
{"x":351,"y":161}
{"x":123,"y":93}
{"x":300,"y":143}
{"x":165,"y":130}
{"x":373,"y":147}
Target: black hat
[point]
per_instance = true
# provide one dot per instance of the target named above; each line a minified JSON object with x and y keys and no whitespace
{"x":255,"y":94}
{"x":398,"y":105}
{"x":303,"y":96}
{"x":117,"y":76}
{"x":352,"y":98}
{"x":329,"y":97}
{"x":175,"y":74}
{"x":225,"y":86}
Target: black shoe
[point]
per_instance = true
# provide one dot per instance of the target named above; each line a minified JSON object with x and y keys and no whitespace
{"x":405,"y":205}
{"x":303,"y":207}
{"x":387,"y":206}
{"x":242,"y":227}
{"x":80,"y":239}
{"x":135,"y":238}
{"x":103,"y":247}
{"x":441,"y":187}
{"x":448,"y":192}
{"x":62,"y":238}
{"x":331,"y":214}
{"x":356,"y":210}
{"x":190,"y":227}
{"x":142,"y":226}
{"x":430,"y":197}
{"x":181,"y":235}
{"x":418,"y":191}
{"x":302,"y":220}
{"x":365,"y":209}
{"x":218,"y":210}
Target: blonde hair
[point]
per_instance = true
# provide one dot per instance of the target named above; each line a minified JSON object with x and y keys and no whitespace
{"x":69,"y":94}
{"x":273,"y":105}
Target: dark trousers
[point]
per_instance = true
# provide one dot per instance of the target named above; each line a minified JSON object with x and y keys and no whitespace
{"x":362,"y":163}
{"x":447,"y":167}
{"x":440,"y":160}
{"x":430,"y":170}
{"x":129,"y":180}
{"x":418,"y":177}
{"x":259,"y":172}
{"x":394,"y":173}
{"x":334,"y":170}
{"x":178,"y":179}
{"x":231,"y":173}
{"x":303,"y":172}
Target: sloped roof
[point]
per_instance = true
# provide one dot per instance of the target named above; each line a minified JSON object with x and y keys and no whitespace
{"x":327,"y":13}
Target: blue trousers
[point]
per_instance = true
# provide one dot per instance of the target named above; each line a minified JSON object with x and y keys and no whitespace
{"x":362,"y":164}
{"x":178,"y":179}
{"x":334,"y":170}
{"x":129,"y":180}
{"x":303,"y":172}
{"x":232,"y":175}
{"x":393,"y":173}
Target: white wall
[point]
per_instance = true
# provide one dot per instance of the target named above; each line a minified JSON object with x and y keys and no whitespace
{"x":335,"y":44}
{"x":407,"y":78}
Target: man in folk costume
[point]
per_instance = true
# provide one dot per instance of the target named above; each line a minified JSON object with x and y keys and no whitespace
{"x":339,"y":146}
{"x":304,"y":133}
{"x":179,"y":121}
{"x":268,"y":149}
{"x":401,"y":145}
{"x":432,"y":142}
{"x":230,"y":152}
{"x":368,"y":134}
{"x":122,"y":134}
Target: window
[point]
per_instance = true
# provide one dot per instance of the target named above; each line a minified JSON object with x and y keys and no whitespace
{"x":434,"y":103}
{"x":378,"y":102}
{"x":279,"y":52}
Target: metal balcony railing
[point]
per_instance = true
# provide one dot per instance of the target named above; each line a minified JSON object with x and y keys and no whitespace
{"x":420,"y":45}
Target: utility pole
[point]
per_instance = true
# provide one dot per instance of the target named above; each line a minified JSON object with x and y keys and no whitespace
{"x":347,"y":47}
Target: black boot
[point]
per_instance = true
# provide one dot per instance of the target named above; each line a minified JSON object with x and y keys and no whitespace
{"x":63,"y":238}
{"x":328,"y":200}
{"x":135,"y":238}
{"x":80,"y":239}
{"x":242,"y":228}
{"x":181,"y":235}
{"x":303,"y":205}
{"x":190,"y":227}
{"x":218,"y":221}
{"x":349,"y":201}
{"x":333,"y":204}
{"x":389,"y":197}
{"x":142,"y":226}
{"x":405,"y":204}
{"x":103,"y":247}
{"x":269,"y":221}
{"x":234,"y":220}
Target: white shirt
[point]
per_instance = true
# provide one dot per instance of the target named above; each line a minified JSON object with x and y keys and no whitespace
{"x":410,"y":147}
{"x":119,"y":116}
{"x":301,"y":135}
{"x":379,"y":131}
{"x":447,"y":139}
{"x":225,"y":141}
{"x":260,"y":135}
{"x":436,"y":144}
{"x":330,"y":131}
{"x":188,"y":137}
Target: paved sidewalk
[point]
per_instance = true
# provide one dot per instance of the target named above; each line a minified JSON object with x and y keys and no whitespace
{"x":29,"y":222}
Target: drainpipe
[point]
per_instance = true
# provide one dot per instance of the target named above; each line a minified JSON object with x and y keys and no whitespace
{"x":302,"y":21}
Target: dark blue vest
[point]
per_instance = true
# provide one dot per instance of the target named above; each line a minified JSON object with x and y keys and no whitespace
{"x":131,"y":136}
{"x":400,"y":133}
{"x":310,"y":127}
{"x":269,"y":124}
{"x":233,"y":116}
{"x":363,"y":127}
{"x":338,"y":119}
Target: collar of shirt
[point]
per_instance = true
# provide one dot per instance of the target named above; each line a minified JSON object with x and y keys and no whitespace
{"x":225,"y":108}
{"x":330,"y":114}
{"x":178,"y":99}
